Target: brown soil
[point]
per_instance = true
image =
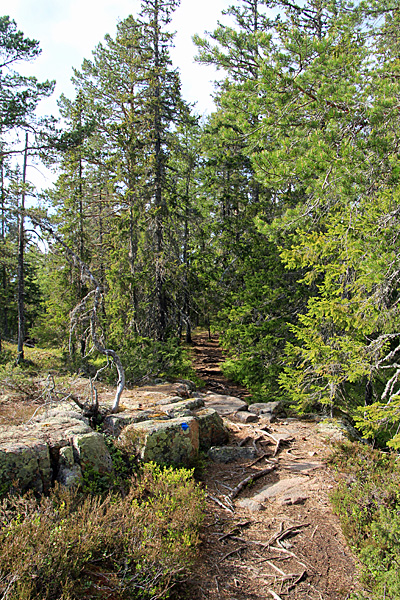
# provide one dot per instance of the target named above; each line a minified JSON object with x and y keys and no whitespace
{"x":238,"y":558}
{"x":207,"y":359}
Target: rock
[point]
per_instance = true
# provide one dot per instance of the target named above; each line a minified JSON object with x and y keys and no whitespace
{"x":28,"y":453}
{"x":115,"y":423}
{"x":268,"y":410}
{"x":226,"y":454}
{"x":168,"y":400}
{"x":250,"y":504}
{"x":225,"y":405}
{"x":25,"y":463}
{"x":69,"y":473}
{"x":90,"y":451}
{"x":284,"y":487}
{"x":172,"y":442}
{"x":183,"y":408}
{"x":295,"y":498}
{"x":304,"y":467}
{"x":212,"y":431}
{"x":189,"y":384}
{"x":246,"y":417}
{"x":338,"y":430}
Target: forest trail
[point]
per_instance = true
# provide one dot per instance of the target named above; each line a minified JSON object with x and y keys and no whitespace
{"x":207,"y":358}
{"x":286,"y":546}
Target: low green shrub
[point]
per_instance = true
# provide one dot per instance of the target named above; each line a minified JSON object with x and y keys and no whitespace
{"x":367,"y":501}
{"x":68,"y":546}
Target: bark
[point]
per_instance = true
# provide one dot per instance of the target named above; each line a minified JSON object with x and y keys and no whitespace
{"x":21,"y":252}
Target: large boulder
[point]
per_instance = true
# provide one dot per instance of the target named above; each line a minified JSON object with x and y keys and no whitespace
{"x":30,"y":453}
{"x":212,"y":431}
{"x":172,"y":442}
{"x":26,"y":464}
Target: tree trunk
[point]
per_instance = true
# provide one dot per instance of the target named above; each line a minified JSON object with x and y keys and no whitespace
{"x":21,"y":251}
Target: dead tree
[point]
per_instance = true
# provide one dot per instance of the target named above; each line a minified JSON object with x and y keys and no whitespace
{"x":94,"y":297}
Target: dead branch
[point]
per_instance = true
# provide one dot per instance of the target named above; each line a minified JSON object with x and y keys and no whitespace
{"x":97,"y":295}
{"x":260,"y":458}
{"x":232,"y":552}
{"x":233,"y":531}
{"x":299,"y":578}
{"x":236,"y":491}
{"x":221,"y":504}
{"x":244,"y":440}
{"x":275,"y":596}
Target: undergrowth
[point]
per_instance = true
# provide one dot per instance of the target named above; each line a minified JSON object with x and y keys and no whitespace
{"x":69,"y":546}
{"x":367,"y":501}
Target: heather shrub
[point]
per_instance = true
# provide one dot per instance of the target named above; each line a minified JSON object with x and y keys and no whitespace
{"x":69,"y":546}
{"x":367,"y":501}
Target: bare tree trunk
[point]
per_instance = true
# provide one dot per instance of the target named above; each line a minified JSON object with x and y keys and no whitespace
{"x":97,"y":295}
{"x":21,"y":251}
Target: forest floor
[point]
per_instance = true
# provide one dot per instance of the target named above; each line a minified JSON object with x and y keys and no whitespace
{"x":291,"y":549}
{"x":288,"y":550}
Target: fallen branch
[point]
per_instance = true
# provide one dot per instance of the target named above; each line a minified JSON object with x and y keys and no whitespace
{"x":260,"y":458}
{"x":232,"y":552}
{"x":236,"y":491}
{"x":244,"y":440}
{"x":221,"y":504}
{"x":233,"y":531}
{"x":299,"y":578}
{"x":274,"y":595}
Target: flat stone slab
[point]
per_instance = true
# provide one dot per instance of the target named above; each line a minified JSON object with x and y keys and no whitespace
{"x":224,"y":405}
{"x":304,"y":467}
{"x":183,"y":407}
{"x":280,"y":488}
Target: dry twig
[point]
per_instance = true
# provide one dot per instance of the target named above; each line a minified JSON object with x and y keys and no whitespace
{"x":221,"y":504}
{"x":232,"y":552}
{"x":236,"y":491}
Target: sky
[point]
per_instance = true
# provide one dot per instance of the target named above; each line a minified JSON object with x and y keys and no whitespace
{"x":69,"y":30}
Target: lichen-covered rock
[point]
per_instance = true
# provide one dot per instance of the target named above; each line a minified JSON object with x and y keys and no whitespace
{"x":338,"y":430}
{"x":226,"y":454}
{"x":212,"y":431}
{"x":172,"y":442}
{"x":69,"y":472}
{"x":114,"y":424}
{"x":90,"y":451}
{"x":183,"y":408}
{"x":25,"y":463}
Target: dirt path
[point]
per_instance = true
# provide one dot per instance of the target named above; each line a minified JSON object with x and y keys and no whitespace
{"x":207,"y":358}
{"x":293,"y":547}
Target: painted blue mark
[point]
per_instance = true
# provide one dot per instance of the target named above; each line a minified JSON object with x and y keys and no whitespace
{"x":185,"y":426}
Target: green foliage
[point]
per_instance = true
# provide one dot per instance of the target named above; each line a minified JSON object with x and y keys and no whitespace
{"x":367,"y":501}
{"x":67,"y":545}
{"x":144,"y":357}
